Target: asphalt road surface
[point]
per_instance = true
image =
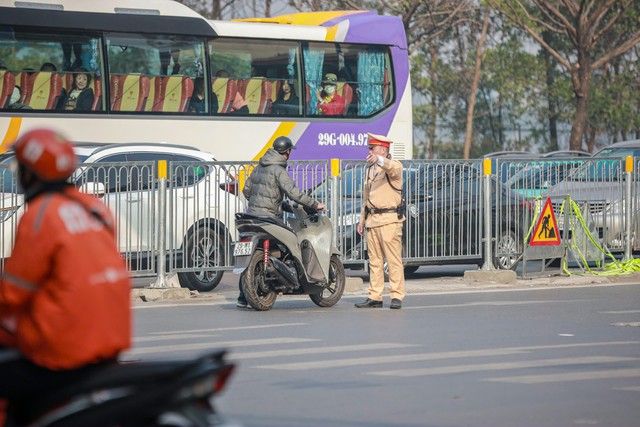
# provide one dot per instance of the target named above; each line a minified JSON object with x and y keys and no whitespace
{"x":555,"y":357}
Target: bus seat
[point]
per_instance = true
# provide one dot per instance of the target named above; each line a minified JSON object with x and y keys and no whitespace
{"x":7,"y":84}
{"x":22,"y":81}
{"x":257,"y":94}
{"x":96,"y":85}
{"x":43,"y":90}
{"x":225,"y":89}
{"x":172,"y":93}
{"x":346,"y":91}
{"x":276,"y":90}
{"x":152,"y":94}
{"x":129,"y":92}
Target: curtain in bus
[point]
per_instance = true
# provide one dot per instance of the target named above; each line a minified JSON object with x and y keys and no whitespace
{"x":370,"y":81}
{"x":291,"y":69}
{"x":313,"y":60}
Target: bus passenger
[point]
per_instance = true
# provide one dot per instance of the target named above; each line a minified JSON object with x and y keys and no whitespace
{"x":329,"y":102}
{"x":80,"y":97}
{"x":197,"y":104}
{"x":287,"y":104}
{"x":239,"y":105}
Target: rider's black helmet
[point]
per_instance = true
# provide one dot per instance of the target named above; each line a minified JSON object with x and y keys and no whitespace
{"x":282,"y":144}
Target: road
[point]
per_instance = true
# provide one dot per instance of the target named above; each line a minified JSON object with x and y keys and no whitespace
{"x":542,"y":357}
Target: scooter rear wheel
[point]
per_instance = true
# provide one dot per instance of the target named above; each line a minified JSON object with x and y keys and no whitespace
{"x":257,"y":293}
{"x":334,"y":291}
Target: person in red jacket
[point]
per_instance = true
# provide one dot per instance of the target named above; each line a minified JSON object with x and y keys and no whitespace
{"x":330,"y":103}
{"x":65,"y":290}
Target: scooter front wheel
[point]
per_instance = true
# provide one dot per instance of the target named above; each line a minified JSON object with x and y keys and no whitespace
{"x":256,"y":291}
{"x":332,"y":294}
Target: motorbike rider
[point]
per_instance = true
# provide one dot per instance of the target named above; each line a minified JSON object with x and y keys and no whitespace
{"x":268,"y":184}
{"x":65,"y":290}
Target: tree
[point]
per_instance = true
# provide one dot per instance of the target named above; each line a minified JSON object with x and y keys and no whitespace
{"x":594,"y":28}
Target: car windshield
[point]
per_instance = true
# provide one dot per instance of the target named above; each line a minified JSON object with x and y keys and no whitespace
{"x":606,"y":166}
{"x":7,"y":180}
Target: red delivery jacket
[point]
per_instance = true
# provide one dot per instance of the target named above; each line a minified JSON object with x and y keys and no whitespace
{"x":65,"y":286}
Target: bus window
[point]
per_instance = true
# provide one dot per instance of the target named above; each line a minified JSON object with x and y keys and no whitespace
{"x":152,"y":73}
{"x":44,"y":66}
{"x":346,"y":80}
{"x":252,"y":73}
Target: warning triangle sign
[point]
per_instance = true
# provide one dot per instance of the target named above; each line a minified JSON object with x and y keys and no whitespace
{"x":546,"y":230}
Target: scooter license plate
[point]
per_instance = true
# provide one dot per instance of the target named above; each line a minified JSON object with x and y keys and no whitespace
{"x":243,"y":248}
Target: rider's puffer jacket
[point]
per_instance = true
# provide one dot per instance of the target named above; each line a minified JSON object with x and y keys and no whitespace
{"x":267,"y":185}
{"x":65,"y":287}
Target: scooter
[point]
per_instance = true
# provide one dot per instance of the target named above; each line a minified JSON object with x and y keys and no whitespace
{"x":294,"y":258}
{"x":173,"y":393}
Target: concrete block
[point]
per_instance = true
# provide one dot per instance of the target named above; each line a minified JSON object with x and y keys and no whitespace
{"x":493,"y":276}
{"x":157,"y":294}
{"x":354,"y":284}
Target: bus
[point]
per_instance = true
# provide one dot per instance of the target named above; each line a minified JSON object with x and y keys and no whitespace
{"x":131,"y":71}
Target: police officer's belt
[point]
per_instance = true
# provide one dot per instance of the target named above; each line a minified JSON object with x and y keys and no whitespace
{"x":380,"y":211}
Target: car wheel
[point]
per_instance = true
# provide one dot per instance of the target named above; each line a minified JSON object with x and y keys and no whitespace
{"x":410,"y":269}
{"x":204,"y":249}
{"x":508,"y":251}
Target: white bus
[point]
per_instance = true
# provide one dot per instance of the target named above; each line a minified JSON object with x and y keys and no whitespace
{"x":158,"y":71}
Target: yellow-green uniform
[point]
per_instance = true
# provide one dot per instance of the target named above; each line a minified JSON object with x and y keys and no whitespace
{"x":384,"y":229}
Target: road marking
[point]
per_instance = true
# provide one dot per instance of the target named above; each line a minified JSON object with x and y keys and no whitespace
{"x":488,"y":303}
{"x":375,"y":360}
{"x":217,"y":344}
{"x":480,"y":367}
{"x":569,"y":376}
{"x":319,"y":350}
{"x":194,"y":333}
{"x":620,"y":312}
{"x":632,"y":388}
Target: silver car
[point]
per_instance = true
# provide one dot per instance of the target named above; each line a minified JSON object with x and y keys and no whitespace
{"x":599,"y":185}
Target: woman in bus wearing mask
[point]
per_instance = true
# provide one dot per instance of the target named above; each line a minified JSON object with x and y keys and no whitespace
{"x":329,"y":102}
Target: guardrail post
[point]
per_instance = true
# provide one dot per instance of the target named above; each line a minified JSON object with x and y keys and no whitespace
{"x":628,"y":207}
{"x":486,"y":194}
{"x":161,"y":280}
{"x":335,"y":197}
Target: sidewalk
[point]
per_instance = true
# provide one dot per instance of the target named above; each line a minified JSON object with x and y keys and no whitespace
{"x":357,"y":284}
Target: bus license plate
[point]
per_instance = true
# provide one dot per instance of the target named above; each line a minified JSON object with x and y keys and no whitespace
{"x":243,"y":248}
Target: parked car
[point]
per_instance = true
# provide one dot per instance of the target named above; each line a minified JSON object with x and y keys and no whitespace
{"x":538,"y":176}
{"x":599,"y":183}
{"x":200,"y":224}
{"x":565,"y":153}
{"x":506,"y":164}
{"x":443,"y":217}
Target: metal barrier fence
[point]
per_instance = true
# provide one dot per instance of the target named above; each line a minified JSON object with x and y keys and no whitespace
{"x":601,"y":186}
{"x":447,"y":203}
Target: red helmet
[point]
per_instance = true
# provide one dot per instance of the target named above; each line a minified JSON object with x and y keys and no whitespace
{"x":47,"y":154}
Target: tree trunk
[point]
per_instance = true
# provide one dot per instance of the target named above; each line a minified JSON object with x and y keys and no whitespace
{"x":474,"y":88}
{"x":581,"y":80}
{"x":552,"y":101}
{"x":433,"y":114}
